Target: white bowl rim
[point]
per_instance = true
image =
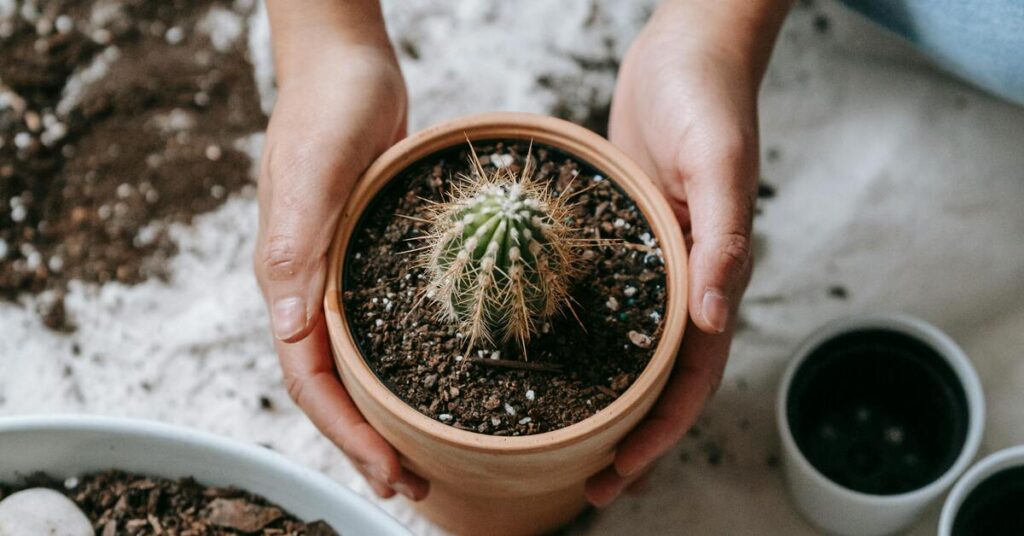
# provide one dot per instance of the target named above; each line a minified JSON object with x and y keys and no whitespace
{"x":203,"y":440}
{"x":918,"y":329}
{"x":978,"y":473}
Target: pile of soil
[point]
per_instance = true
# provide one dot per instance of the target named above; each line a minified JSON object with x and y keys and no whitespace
{"x":122,"y":503}
{"x":116,"y":117}
{"x":571,"y":370}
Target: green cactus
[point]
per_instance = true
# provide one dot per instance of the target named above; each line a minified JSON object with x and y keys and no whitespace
{"x":500,"y":257}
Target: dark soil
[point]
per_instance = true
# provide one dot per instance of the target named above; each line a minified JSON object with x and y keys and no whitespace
{"x":87,"y":187}
{"x":125,"y":504}
{"x":581,"y":367}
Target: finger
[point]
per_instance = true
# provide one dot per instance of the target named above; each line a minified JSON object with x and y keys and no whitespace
{"x":310,"y":377}
{"x":721,"y":188}
{"x":303,"y":192}
{"x":641,"y":484}
{"x":695,"y":377}
{"x":379,"y":488}
{"x":603,"y":488}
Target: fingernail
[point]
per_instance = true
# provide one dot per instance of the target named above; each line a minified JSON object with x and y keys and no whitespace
{"x":606,"y":501}
{"x":288,"y":317}
{"x":628,"y":470}
{"x":715,"y":310}
{"x":402,"y":488}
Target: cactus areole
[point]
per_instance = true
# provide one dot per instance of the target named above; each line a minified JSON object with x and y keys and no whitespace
{"x":500,"y":257}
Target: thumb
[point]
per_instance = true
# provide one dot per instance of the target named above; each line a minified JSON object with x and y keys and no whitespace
{"x":301,"y":196}
{"x":721,"y":192}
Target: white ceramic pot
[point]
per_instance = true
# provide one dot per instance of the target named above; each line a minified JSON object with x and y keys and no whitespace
{"x":839,"y":510}
{"x":66,"y":446}
{"x":992,"y":464}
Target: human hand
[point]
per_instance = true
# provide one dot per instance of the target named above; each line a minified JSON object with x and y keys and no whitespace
{"x":685,"y":109}
{"x":341,"y":103}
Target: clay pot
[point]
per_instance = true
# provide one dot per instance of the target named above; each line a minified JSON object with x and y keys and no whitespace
{"x":483,"y":484}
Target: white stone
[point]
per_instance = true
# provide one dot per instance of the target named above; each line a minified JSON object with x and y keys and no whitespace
{"x":42,"y":511}
{"x":174,"y":35}
{"x":64,"y":24}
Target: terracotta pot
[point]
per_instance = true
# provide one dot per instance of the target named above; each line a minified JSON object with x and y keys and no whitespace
{"x":483,"y":484}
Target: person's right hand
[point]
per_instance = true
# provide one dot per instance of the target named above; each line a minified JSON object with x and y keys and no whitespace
{"x":341,"y":102}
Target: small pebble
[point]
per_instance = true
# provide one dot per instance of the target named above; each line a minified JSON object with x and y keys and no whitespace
{"x":64,"y":24}
{"x":22,"y":140}
{"x":42,"y":511}
{"x":502,"y":160}
{"x":174,"y":35}
{"x":101,"y":36}
{"x":213,"y":152}
{"x":33,"y":121}
{"x":640,"y":339}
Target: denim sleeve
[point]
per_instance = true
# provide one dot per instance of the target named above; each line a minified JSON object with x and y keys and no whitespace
{"x":980,"y":40}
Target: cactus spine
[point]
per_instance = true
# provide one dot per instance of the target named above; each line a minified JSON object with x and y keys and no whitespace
{"x":500,"y":256}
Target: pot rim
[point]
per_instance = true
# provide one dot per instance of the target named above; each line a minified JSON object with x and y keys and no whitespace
{"x":996,"y":462}
{"x":577,"y":141}
{"x":367,"y":516}
{"x":928,"y":334}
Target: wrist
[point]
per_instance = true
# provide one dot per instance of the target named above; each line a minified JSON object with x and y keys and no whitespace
{"x":741,"y":32}
{"x":309,"y":36}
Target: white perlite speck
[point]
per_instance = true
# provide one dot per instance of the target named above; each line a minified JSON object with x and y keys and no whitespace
{"x":629,"y":292}
{"x":444,"y":417}
{"x":174,"y":35}
{"x":22,"y":140}
{"x":530,"y":395}
{"x":223,"y":26}
{"x":510,"y":410}
{"x":612,"y":304}
{"x":64,"y":24}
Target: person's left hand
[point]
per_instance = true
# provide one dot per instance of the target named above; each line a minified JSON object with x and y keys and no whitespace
{"x":685,"y":109}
